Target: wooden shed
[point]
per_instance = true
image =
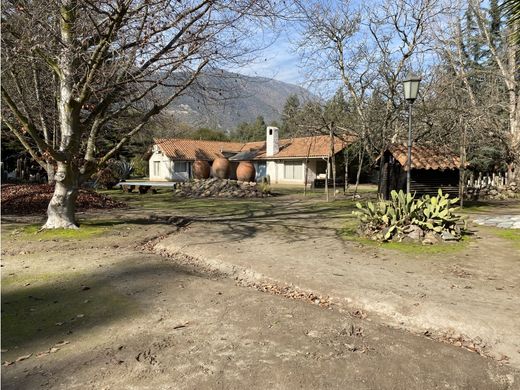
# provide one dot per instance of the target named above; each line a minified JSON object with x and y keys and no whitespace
{"x":432,"y":168}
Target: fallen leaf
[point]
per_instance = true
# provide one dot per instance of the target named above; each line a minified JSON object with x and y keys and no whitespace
{"x":41,"y":354}
{"x":24,"y":357}
{"x":61,"y":343}
{"x":80,"y":315}
{"x":53,"y":350}
{"x":58,"y":323}
{"x":6,"y":363}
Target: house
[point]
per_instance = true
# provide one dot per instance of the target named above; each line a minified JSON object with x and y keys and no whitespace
{"x":432,"y":168}
{"x":283,"y":160}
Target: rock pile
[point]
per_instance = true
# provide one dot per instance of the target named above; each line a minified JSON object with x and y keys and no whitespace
{"x":509,"y":191}
{"x":219,"y":188}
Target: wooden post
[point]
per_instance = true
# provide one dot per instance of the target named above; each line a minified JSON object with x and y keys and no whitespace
{"x":333,"y":160}
{"x":327,"y":181}
{"x":307,"y":167}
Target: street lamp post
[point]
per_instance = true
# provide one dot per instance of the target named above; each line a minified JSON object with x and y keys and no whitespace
{"x":411,"y":88}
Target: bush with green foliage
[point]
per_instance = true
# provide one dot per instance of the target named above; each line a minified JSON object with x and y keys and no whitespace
{"x":386,"y":220}
{"x":140,"y":166}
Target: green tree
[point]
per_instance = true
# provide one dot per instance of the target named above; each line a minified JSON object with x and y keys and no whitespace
{"x":512,"y":12}
{"x":336,"y":109}
{"x":207,"y":134}
{"x":250,"y":131}
{"x":289,"y":116}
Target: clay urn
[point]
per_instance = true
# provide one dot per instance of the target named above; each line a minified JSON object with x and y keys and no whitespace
{"x":246,"y":171}
{"x":201,"y":169}
{"x":220,"y":168}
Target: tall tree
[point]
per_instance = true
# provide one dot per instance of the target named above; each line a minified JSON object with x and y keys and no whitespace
{"x":506,"y":58}
{"x":250,"y":131}
{"x":103,"y":60}
{"x":368,"y":50}
{"x":289,"y":114}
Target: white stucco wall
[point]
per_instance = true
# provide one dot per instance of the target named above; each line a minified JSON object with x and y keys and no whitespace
{"x":276,"y":171}
{"x":165,"y":167}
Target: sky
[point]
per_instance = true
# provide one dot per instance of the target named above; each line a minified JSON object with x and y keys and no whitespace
{"x":278,"y":61}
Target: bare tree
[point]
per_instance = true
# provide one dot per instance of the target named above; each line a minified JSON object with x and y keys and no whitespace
{"x":506,"y":57}
{"x":475,"y":95}
{"x":102,"y":60}
{"x":368,"y":49}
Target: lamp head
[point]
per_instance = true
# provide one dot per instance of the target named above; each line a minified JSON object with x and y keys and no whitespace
{"x":411,"y":87}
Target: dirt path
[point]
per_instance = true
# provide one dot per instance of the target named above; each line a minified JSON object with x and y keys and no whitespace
{"x":119,"y":318}
{"x":469,"y":296}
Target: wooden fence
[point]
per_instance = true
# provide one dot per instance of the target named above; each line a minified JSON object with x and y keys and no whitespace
{"x":481,"y":180}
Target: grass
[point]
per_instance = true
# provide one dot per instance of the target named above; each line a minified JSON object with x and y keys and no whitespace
{"x":89,"y":229}
{"x":511,"y":235}
{"x":418,"y":249}
{"x":475,"y":207}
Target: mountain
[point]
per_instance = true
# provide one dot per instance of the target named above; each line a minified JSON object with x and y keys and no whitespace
{"x":222,"y":100}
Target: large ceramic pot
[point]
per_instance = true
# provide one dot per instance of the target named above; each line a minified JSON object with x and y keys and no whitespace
{"x":220,"y":168}
{"x":246,"y":171}
{"x":201,"y":169}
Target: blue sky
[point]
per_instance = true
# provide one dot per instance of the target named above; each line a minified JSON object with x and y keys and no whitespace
{"x":278,"y":61}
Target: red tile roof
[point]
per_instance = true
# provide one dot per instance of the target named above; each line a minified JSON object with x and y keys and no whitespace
{"x":425,"y":157}
{"x":316,"y":146}
{"x":187,"y":149}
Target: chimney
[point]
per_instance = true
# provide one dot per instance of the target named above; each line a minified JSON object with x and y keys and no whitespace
{"x":271,"y":142}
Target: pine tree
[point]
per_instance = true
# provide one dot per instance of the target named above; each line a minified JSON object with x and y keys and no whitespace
{"x":289,"y":114}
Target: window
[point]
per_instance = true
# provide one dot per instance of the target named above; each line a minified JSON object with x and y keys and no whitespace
{"x":180,"y":167}
{"x":293,"y":170}
{"x":156,"y":168}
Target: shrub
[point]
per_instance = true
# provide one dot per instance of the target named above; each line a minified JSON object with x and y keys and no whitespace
{"x":140,"y":166}
{"x":386,"y":220}
{"x":114,"y":172}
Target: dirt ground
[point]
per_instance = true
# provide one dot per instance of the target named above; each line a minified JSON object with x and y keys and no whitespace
{"x":466,"y":293}
{"x":99,"y":311}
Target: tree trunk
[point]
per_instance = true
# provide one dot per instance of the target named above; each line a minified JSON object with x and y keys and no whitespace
{"x":61,"y":210}
{"x":514,"y":125}
{"x":49,"y":169}
{"x":345,"y":188}
{"x":333,"y":160}
{"x":358,"y":175}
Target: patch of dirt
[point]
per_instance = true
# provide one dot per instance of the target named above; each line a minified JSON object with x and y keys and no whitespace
{"x":172,"y":325}
{"x":450,"y":296}
{"x":26,"y":199}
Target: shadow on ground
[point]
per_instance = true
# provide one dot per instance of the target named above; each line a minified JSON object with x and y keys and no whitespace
{"x":74,"y":303}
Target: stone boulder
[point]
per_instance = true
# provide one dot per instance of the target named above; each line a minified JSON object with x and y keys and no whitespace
{"x":219,"y":188}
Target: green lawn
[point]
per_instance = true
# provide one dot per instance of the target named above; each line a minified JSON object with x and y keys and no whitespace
{"x":511,"y":235}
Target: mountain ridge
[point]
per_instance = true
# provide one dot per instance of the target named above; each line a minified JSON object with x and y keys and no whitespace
{"x":223,"y":100}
